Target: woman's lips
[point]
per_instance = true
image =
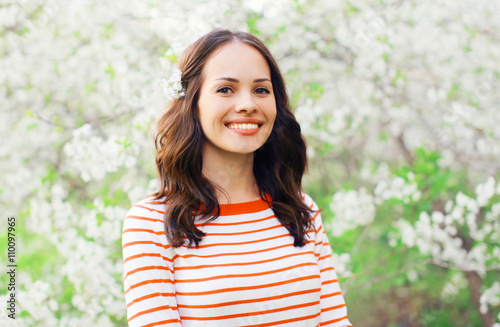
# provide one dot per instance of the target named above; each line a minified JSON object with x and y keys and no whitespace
{"x":244,"y":128}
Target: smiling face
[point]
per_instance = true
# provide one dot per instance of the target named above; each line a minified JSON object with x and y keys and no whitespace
{"x":237,"y":107}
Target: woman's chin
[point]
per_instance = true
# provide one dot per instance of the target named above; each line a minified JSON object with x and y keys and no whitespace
{"x":243,"y":149}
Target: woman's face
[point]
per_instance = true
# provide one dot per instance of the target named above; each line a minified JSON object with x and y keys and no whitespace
{"x":236,"y":106}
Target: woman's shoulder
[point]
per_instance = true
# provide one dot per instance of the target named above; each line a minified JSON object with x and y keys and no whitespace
{"x":150,"y":201}
{"x":315,"y":215}
{"x":144,"y":223}
{"x":309,"y":201}
{"x":148,"y":210}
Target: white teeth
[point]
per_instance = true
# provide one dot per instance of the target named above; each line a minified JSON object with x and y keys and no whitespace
{"x":243,"y":126}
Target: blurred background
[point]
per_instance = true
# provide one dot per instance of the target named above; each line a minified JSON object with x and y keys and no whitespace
{"x":399,"y":102}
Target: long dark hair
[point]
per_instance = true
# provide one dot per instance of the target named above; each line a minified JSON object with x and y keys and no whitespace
{"x":278,"y":165}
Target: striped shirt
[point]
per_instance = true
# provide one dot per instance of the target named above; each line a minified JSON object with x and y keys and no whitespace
{"x":245,"y":272}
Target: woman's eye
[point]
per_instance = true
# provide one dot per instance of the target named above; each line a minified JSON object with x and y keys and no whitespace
{"x":224,"y":90}
{"x":262,"y":90}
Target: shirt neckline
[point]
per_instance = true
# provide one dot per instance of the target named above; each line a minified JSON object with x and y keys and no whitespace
{"x":239,"y":208}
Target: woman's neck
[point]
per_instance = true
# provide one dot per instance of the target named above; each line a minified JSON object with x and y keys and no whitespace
{"x":232,"y":173}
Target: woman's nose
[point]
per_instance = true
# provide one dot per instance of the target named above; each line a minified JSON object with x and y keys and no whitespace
{"x":246,"y":103}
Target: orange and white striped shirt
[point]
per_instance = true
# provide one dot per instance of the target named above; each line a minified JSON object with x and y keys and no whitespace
{"x":245,"y":272}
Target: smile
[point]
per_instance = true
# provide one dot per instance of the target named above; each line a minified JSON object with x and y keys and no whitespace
{"x":242,"y":126}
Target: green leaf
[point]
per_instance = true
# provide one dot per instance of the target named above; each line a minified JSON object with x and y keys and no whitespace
{"x":252,"y":24}
{"x":110,"y":70}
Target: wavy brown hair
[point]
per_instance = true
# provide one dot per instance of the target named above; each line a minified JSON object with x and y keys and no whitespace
{"x":278,"y":165}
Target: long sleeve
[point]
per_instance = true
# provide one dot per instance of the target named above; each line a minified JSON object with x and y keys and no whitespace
{"x":332,"y":303}
{"x":148,"y":269}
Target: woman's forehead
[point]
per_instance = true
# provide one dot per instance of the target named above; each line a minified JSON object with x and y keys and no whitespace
{"x":237,"y":58}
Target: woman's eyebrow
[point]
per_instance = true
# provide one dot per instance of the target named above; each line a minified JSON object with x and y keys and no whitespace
{"x":258,"y":80}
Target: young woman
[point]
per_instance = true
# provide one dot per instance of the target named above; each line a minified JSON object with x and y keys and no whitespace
{"x":229,"y":239}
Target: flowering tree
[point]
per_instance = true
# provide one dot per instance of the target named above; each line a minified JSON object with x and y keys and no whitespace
{"x":398,"y":101}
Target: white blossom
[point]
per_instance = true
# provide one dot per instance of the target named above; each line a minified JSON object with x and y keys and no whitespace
{"x":490,"y":297}
{"x":453,"y":286}
{"x":341,"y":262}
{"x":437,"y":235}
{"x":485,"y":191}
{"x":397,"y":188}
{"x":351,"y":209}
{"x":94,"y":156}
